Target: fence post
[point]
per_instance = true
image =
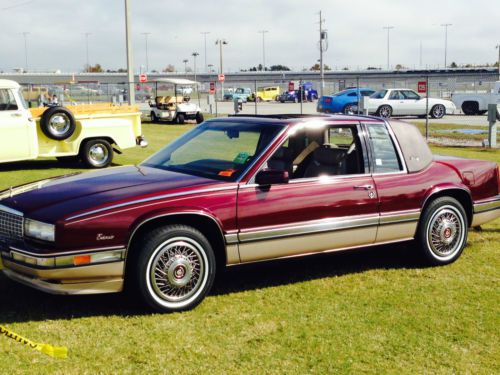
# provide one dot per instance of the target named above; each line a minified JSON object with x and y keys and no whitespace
{"x":427,"y":111}
{"x":255,"y":96}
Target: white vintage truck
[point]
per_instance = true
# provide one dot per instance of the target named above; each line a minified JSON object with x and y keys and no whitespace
{"x":90,"y":133}
{"x":477,"y":103}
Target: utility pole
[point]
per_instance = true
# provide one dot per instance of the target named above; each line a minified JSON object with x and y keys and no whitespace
{"x":130,"y":61}
{"x":388,"y":28}
{"x":263,"y":32}
{"x":185,"y":61}
{"x":146,"y":35}
{"x":205,"y":33}
{"x":446,"y":25}
{"x":87,"y":50}
{"x":221,"y":42}
{"x":420,"y":60}
{"x":498,"y":48}
{"x":25,"y":35}
{"x":323,"y":46}
{"x":195,"y":55}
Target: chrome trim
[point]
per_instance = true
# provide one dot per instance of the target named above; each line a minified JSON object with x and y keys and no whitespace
{"x":231,"y":238}
{"x":145,"y":200}
{"x":399,"y":217}
{"x":65,"y":253}
{"x":489,"y":205}
{"x":310,"y":227}
{"x":11,"y":210}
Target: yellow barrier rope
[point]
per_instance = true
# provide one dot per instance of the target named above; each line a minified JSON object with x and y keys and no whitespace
{"x":53,"y":351}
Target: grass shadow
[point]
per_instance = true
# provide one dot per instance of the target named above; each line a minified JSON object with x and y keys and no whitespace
{"x":21,"y":303}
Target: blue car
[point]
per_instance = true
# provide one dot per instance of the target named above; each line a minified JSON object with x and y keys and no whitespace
{"x":345,"y":101}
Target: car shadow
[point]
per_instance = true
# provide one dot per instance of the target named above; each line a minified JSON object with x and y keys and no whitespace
{"x":20,"y":303}
{"x":46,"y":165}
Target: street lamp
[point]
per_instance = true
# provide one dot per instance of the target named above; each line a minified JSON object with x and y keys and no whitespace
{"x":205,"y":33}
{"x":146,"y":35}
{"x":195,"y":54}
{"x":25,"y":35}
{"x":130,"y":61}
{"x":221,"y":42}
{"x":388,"y":28}
{"x":185,"y":61}
{"x":445,"y":25}
{"x":263,"y":32}
{"x":87,"y":50}
{"x":498,"y":48}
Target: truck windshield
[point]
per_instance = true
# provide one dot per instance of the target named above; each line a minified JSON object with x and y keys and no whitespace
{"x":217,"y":150}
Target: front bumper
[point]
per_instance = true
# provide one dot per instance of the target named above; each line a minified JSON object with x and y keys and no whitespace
{"x":486,"y":210}
{"x":67,"y":273}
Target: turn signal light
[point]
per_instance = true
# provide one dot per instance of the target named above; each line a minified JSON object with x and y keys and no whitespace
{"x":81,"y":259}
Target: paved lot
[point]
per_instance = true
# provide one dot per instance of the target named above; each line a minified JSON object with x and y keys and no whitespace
{"x":267,"y":108}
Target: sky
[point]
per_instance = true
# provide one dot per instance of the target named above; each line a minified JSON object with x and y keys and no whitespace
{"x":356,"y":38}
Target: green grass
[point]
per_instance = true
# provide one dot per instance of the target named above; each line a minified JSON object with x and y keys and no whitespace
{"x":376,"y":310}
{"x":443,"y":130}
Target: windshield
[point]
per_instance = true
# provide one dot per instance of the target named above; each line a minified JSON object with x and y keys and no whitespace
{"x":379,"y":94}
{"x":239,"y":91}
{"x":217,"y":150}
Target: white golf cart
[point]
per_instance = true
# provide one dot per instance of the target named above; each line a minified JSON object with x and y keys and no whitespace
{"x":176,"y":108}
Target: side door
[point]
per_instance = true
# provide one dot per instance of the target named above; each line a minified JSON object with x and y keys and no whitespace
{"x":329,"y":203}
{"x":17,"y":133}
{"x":415,"y":105}
{"x":395,"y":100}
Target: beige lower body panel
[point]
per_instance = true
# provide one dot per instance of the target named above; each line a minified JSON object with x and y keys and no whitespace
{"x":306,"y":244}
{"x":484,"y":217}
{"x":98,"y":278}
{"x":394,"y":232}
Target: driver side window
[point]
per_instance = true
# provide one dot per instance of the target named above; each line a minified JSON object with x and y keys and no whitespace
{"x":312,"y":153}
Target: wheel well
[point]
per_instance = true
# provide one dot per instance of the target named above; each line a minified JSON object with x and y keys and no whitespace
{"x":207,"y":226}
{"x":460,"y":195}
{"x":108,"y":139}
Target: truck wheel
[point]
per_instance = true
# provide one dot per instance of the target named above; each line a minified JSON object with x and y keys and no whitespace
{"x":58,"y":123}
{"x":442,"y":232}
{"x":154,"y":118}
{"x":384,"y":111}
{"x":179,"y":119}
{"x":438,"y":111}
{"x":470,"y":108}
{"x":175,"y":268}
{"x":199,"y":118}
{"x":96,"y":153}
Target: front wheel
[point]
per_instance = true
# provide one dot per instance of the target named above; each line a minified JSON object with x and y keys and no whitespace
{"x":179,"y":119}
{"x":199,"y":118}
{"x":175,"y":268}
{"x":438,"y":111}
{"x":97,"y":153}
{"x":442,"y":232}
{"x":384,"y":111}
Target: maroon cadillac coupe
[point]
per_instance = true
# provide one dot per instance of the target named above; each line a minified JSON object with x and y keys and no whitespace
{"x":237,"y":190}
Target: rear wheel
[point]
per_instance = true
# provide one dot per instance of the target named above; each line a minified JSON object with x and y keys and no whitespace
{"x":442,"y":232}
{"x":384,"y":111}
{"x":199,"y":118}
{"x":97,"y":153}
{"x":174,"y":269}
{"x":470,"y":108}
{"x":438,"y":111}
{"x":179,"y":119}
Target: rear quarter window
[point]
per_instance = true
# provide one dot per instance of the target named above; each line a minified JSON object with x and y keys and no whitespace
{"x":385,"y":156}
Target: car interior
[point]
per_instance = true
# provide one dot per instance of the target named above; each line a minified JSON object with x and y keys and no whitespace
{"x":313,"y":153}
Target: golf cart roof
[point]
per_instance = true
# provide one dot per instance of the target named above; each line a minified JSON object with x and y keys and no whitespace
{"x":176,"y":81}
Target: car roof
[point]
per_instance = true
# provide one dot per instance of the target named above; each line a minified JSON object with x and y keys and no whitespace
{"x":7,"y":83}
{"x":291,"y":119}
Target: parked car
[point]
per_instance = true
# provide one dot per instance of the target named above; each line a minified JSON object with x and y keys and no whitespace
{"x":265,"y":94}
{"x":237,"y":190}
{"x":406,"y":102}
{"x":240,"y":93}
{"x":86,"y":133}
{"x":306,"y":91}
{"x":345,"y":101}
{"x":477,"y":103}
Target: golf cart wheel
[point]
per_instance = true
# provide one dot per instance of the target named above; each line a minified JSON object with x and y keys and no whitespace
{"x":97,"y":153}
{"x":438,"y":111}
{"x":58,"y":123}
{"x":384,"y":111}
{"x":199,"y":118}
{"x":154,"y":118}
{"x":179,"y":119}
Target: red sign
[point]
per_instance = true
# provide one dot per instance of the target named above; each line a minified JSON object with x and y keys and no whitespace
{"x":212,"y":87}
{"x":143,"y":78}
{"x":422,"y":87}
{"x":291,"y":86}
{"x":221,"y":77}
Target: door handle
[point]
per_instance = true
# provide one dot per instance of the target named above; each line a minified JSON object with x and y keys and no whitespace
{"x":16,"y":114}
{"x":363,"y":187}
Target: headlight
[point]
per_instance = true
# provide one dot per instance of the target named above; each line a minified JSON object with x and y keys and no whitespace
{"x":39,"y":230}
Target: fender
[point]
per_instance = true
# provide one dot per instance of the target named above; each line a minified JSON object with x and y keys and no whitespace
{"x":443,"y":187}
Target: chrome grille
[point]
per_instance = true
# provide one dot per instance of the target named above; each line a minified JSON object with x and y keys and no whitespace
{"x":11,"y":224}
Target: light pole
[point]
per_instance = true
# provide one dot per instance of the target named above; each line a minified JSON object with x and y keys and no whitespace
{"x":205,"y":33}
{"x":263,"y":32}
{"x":445,"y":25}
{"x":185,"y":61}
{"x":130,"y":61}
{"x":388,"y":28}
{"x":25,"y":35}
{"x":221,"y":42}
{"x":87,"y":51}
{"x":323,"y":46}
{"x":146,"y":35}
{"x":498,"y":48}
{"x":195,"y":54}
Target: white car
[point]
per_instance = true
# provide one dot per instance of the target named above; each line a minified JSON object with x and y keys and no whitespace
{"x":406,"y":102}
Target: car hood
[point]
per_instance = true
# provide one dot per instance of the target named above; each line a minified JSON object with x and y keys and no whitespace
{"x":62,"y":196}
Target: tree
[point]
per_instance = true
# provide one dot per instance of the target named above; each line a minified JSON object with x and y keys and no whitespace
{"x":169,"y":69}
{"x":316,"y":67}
{"x":279,"y":68}
{"x":400,"y":66}
{"x":97,"y":68}
{"x":453,"y":65}
{"x":259,"y":67}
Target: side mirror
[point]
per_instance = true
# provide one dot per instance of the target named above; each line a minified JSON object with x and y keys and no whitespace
{"x":271,"y":177}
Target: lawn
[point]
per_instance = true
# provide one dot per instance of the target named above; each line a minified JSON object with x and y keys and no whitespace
{"x":375,"y":310}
